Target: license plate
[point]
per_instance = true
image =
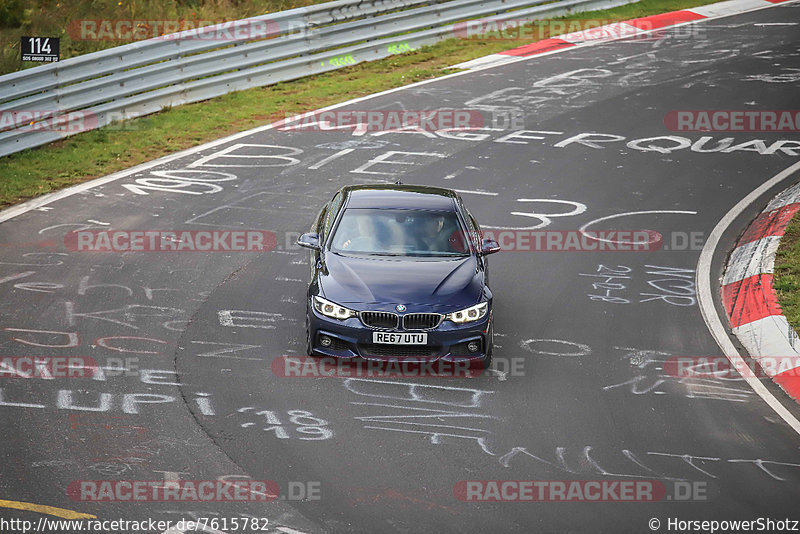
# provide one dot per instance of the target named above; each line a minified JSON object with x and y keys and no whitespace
{"x":398,"y":338}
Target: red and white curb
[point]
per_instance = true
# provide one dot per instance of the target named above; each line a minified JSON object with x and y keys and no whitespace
{"x":750,"y":300}
{"x":618,"y":30}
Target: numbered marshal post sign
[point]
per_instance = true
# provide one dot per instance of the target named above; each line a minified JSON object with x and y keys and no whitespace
{"x":41,"y":49}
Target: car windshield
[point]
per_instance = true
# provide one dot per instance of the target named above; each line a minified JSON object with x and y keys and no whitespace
{"x":400,"y":232}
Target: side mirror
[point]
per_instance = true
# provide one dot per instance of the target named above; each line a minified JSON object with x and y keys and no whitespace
{"x":309,"y":240}
{"x":489,"y":246}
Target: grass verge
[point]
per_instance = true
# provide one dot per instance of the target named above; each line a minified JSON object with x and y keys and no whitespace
{"x":786,"y":280}
{"x":96,"y":153}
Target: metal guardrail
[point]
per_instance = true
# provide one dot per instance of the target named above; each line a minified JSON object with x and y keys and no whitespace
{"x":54,"y":101}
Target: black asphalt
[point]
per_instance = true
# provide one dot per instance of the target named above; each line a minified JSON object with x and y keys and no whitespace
{"x":588,"y":398}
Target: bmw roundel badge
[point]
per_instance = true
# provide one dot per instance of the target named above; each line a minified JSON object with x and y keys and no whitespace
{"x":400,"y":308}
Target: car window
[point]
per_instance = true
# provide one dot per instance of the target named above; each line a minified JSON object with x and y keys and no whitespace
{"x":319,"y":225}
{"x":399,"y":232}
{"x":333,"y":211}
{"x":474,"y":230}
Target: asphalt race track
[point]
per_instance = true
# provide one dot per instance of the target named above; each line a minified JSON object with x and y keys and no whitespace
{"x":579,"y":390}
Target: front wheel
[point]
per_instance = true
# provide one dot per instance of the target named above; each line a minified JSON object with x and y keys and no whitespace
{"x":308,"y":335}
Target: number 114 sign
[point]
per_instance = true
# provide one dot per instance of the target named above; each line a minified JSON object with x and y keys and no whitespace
{"x":41,"y":49}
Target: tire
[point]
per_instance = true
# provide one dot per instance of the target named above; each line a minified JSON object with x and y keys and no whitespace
{"x":309,"y":352}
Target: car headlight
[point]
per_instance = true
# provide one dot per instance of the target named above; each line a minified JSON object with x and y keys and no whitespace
{"x":473,"y":313}
{"x":331,"y":309}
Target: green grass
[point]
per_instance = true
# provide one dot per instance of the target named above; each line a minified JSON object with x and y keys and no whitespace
{"x":88,"y":155}
{"x":787,"y":272}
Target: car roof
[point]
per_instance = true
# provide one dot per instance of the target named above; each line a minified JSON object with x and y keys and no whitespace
{"x":385,"y":196}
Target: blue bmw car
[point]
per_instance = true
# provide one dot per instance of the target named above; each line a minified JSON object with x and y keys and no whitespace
{"x":398,"y":272}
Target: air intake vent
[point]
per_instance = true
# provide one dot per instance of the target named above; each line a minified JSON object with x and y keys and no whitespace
{"x":399,"y":351}
{"x":379,"y":319}
{"x":421,"y":321}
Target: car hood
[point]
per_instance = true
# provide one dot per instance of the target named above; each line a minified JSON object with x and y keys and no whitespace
{"x":380,"y":283}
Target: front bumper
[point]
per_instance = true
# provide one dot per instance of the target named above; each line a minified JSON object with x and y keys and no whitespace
{"x":352,"y":339}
